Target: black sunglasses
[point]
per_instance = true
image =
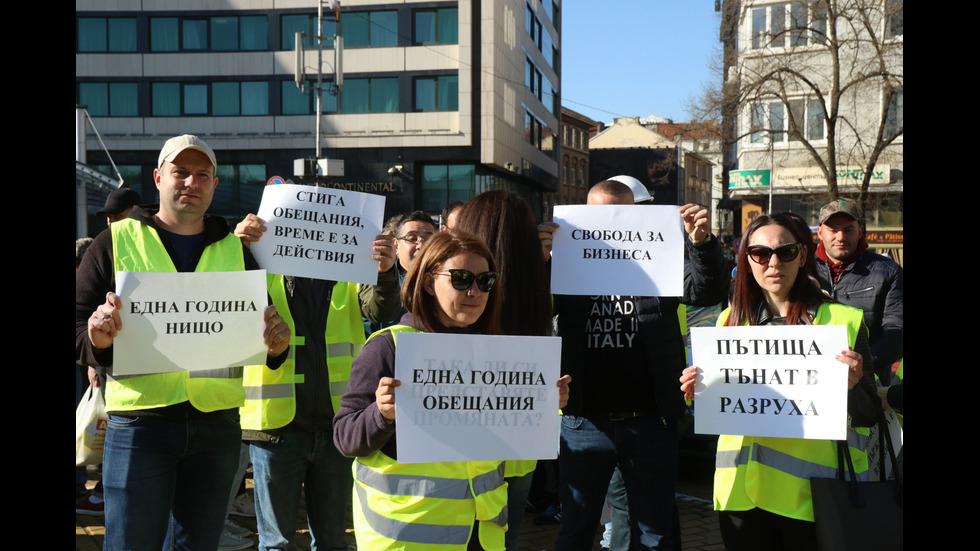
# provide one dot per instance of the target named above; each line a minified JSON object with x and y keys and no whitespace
{"x":462,"y":280}
{"x":785,"y":253}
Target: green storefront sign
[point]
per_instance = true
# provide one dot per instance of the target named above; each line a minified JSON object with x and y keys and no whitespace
{"x":746,"y":179}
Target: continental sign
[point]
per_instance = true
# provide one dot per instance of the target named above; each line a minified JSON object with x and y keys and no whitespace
{"x":366,"y":187}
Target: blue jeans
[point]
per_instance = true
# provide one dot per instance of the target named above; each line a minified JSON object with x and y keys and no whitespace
{"x":645,"y":449}
{"x":166,"y":480}
{"x":282,"y":469}
{"x":619,"y":514}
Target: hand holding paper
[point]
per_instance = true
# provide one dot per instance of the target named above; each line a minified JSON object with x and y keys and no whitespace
{"x":104,"y":324}
{"x":697,"y":221}
{"x":250,"y":229}
{"x":385,"y":397}
{"x":855,"y":366}
{"x":690,"y":378}
{"x":546,"y":234}
{"x":276,"y":332}
{"x":384,"y":249}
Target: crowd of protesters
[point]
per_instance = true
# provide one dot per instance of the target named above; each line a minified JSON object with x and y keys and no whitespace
{"x":318,"y":418}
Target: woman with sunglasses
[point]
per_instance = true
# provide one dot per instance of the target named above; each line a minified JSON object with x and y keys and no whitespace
{"x":448,"y":289}
{"x":761,"y":484}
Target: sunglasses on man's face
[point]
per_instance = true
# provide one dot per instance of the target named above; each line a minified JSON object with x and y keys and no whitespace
{"x":785,"y":253}
{"x":462,"y":280}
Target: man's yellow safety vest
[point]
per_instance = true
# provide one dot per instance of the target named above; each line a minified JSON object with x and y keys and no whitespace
{"x":270,"y":394}
{"x":136,"y":247}
{"x":426,"y":506}
{"x":774,"y":474}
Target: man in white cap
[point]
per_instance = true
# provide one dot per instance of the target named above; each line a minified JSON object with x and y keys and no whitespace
{"x":173,"y":439}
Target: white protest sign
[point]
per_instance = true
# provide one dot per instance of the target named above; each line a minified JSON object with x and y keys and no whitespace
{"x":321,"y":233}
{"x":771,"y":380}
{"x":189,"y":321}
{"x":618,"y":250}
{"x":476,"y":397}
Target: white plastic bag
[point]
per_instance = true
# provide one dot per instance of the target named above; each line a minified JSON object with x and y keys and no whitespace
{"x":90,"y":425}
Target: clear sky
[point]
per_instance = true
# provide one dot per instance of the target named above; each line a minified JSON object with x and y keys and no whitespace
{"x":635,"y":58}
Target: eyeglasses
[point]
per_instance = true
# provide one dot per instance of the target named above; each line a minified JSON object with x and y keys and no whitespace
{"x":785,"y":253}
{"x":462,"y":280}
{"x":414,"y":238}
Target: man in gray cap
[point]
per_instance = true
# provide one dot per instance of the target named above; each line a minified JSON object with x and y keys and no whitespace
{"x":861,"y":278}
{"x":173,"y":439}
{"x":118,"y":203}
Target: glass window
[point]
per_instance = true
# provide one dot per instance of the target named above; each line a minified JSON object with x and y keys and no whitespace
{"x":758,"y":27}
{"x":165,"y":98}
{"x":797,"y":119}
{"x":437,"y":93}
{"x":550,"y":9}
{"x":756,"y":124}
{"x":798,"y":34}
{"x":436,"y":26}
{"x":101,"y":34}
{"x":294,"y":102}
{"x":164,"y":34}
{"x":777,"y":26}
{"x":895,"y":117}
{"x":533,"y":27}
{"x":224,"y":33}
{"x":819,"y":26}
{"x":194,"y":34}
{"x":894,"y":18}
{"x":195,"y":99}
{"x":815,"y":120}
{"x":92,"y":34}
{"x":371,"y":29}
{"x":444,"y":184}
{"x":532,"y":130}
{"x":122,"y":34}
{"x":240,"y":191}
{"x":305,"y":23}
{"x":370,"y":95}
{"x":94,"y":95}
{"x":123,"y":99}
{"x":255,"y":98}
{"x":354,"y":98}
{"x":254,"y":33}
{"x":806,"y":116}
{"x":384,"y":95}
{"x":239,"y":33}
{"x":225,"y":99}
{"x":292,"y":24}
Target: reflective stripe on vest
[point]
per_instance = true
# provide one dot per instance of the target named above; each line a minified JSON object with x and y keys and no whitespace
{"x":785,"y":462}
{"x":414,"y":506}
{"x":774,"y":474}
{"x":137,"y":247}
{"x":270,"y":393}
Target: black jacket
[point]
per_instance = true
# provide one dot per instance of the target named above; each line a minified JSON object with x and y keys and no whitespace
{"x":873,"y":283}
{"x":660,"y":351}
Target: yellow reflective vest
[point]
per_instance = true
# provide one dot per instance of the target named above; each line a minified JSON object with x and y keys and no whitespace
{"x":427,"y":506}
{"x":774,"y":474}
{"x":137,"y":247}
{"x":270,"y":394}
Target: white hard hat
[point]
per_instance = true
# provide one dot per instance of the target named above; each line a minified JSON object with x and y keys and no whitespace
{"x":640,"y":193}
